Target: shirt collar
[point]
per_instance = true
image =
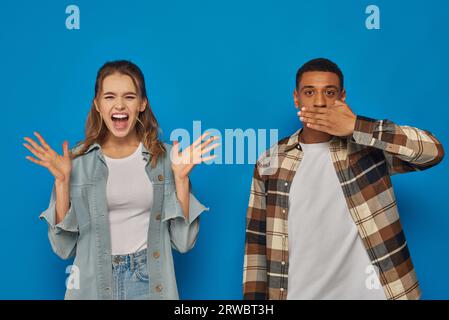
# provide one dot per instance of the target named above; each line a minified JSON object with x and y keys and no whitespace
{"x":97,"y":146}
{"x":293,"y":141}
{"x":92,"y":146}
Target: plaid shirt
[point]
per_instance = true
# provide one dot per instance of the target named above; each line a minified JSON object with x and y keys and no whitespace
{"x":364,"y":163}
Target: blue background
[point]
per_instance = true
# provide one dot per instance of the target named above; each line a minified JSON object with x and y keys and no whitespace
{"x":230,"y":64}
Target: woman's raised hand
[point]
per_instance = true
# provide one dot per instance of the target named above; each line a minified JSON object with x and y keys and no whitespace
{"x":183,"y":162}
{"x":59,"y":166}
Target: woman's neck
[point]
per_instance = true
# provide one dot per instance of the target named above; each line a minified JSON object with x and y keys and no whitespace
{"x":114,"y":143}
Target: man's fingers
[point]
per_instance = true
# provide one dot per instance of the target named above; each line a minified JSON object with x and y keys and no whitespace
{"x":306,"y":114}
{"x":314,"y":109}
{"x":339,"y":104}
{"x":315,"y":121}
{"x":318,"y":127}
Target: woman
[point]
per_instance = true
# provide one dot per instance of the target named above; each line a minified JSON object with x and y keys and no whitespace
{"x":121,"y":198}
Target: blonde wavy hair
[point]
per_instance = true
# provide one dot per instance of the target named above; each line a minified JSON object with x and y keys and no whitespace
{"x":147,"y":127}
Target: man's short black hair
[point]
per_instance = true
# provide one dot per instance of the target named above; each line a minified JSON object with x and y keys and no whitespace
{"x":320,"y":64}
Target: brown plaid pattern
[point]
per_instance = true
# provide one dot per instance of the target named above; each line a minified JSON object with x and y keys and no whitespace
{"x":364,"y":163}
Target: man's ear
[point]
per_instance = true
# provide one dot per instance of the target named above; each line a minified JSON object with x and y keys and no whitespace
{"x":343,"y":95}
{"x":296,"y":99}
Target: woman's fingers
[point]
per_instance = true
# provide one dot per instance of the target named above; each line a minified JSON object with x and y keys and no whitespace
{"x":38,"y":148}
{"x":208,"y":158}
{"x":56,"y":173}
{"x":42,"y":141}
{"x":197,"y":142}
{"x":65,"y":149}
{"x":208,"y":142}
{"x":33,"y":151}
{"x":208,"y":149}
{"x":39,"y":162}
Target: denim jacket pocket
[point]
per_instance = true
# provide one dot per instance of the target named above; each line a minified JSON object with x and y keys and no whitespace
{"x":79,"y":197}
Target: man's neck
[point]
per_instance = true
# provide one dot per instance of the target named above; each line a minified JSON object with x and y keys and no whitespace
{"x":309,"y":136}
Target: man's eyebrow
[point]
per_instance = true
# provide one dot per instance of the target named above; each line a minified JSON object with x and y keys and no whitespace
{"x":326,"y":87}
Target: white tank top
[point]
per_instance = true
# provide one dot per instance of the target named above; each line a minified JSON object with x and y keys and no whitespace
{"x":129,"y":194}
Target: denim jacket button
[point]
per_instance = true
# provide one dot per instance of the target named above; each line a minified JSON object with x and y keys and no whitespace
{"x":159,"y":288}
{"x":156,"y":254}
{"x":158,"y":216}
{"x":160,"y":177}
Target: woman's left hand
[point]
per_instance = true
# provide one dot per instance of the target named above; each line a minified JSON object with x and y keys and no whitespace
{"x":183,"y":162}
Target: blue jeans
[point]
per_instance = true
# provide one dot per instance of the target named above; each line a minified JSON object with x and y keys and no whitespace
{"x":130,"y":276}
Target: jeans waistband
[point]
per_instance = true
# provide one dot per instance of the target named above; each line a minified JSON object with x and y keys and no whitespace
{"x":128,"y":259}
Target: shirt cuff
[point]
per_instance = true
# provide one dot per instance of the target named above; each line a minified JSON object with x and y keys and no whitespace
{"x":173,"y":210}
{"x":364,"y":130}
{"x":69,"y":223}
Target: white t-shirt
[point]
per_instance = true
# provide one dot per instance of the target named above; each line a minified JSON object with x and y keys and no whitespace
{"x":129,"y":194}
{"x":327,"y":258}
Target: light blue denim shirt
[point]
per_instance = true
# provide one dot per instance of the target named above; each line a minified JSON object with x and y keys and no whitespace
{"x":84,"y":232}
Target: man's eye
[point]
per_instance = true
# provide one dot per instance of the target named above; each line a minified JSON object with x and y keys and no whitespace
{"x":108,"y":97}
{"x":330,"y":93}
{"x":130,"y":97}
{"x":308,"y":93}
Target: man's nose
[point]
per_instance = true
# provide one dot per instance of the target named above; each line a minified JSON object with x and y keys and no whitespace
{"x":320,"y":101}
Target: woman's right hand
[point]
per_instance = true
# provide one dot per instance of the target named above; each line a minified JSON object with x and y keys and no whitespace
{"x":59,"y":166}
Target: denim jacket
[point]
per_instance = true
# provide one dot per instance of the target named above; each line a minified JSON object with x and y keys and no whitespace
{"x":84,"y":232}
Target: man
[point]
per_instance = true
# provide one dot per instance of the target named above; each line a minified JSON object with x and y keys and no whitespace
{"x":322,"y":221}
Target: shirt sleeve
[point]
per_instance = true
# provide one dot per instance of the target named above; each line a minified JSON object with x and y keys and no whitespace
{"x":255,"y":259}
{"x":183,"y":231}
{"x":64,"y":235}
{"x":405,"y":148}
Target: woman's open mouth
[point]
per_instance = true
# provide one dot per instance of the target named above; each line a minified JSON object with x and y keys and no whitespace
{"x":120,"y":120}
